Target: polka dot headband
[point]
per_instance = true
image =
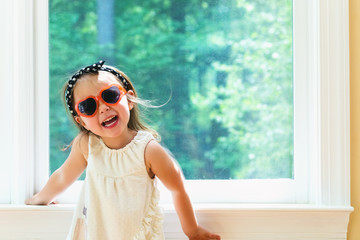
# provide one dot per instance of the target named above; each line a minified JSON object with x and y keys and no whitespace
{"x":95,"y":68}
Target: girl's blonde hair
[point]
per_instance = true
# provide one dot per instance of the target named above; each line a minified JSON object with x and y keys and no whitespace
{"x":135,"y":123}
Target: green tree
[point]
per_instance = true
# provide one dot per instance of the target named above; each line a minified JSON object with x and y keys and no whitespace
{"x":227,"y":66}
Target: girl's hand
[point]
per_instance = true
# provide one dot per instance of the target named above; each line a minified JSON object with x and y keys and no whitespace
{"x":202,"y":234}
{"x":35,"y":200}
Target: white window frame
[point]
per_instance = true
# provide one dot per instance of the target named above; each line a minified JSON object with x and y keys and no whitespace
{"x":318,"y":72}
{"x":243,"y":191}
{"x":322,"y":73}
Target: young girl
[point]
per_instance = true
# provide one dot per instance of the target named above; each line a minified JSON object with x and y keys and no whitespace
{"x":119,"y":199}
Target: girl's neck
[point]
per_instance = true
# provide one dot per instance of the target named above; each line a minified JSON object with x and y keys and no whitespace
{"x":121,"y":141}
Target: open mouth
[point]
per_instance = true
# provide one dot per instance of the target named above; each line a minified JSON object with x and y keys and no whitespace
{"x":110,"y":122}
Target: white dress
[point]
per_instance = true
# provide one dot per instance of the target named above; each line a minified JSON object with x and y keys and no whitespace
{"x":119,"y":200}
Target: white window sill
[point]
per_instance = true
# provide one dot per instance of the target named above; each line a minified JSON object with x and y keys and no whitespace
{"x":231,"y":221}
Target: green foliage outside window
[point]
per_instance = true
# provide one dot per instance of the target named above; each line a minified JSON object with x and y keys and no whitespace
{"x":225,"y":64}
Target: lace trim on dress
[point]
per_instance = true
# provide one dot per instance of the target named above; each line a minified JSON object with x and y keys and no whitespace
{"x":140,"y":137}
{"x":151,"y":228}
{"x":97,"y":144}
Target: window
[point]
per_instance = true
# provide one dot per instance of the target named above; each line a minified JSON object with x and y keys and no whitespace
{"x":226,"y":65}
{"x":318,"y":119}
{"x":322,"y":113}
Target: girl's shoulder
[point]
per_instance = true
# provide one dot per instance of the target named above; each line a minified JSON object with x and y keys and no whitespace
{"x":81,"y":142}
{"x":155,"y":152}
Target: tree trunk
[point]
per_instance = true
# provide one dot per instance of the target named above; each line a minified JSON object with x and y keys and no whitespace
{"x":106,"y":30}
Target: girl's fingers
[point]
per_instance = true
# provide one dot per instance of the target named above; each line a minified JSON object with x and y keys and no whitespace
{"x":213,"y":236}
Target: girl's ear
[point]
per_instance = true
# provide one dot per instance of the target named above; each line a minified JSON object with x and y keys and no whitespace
{"x":130,"y":103}
{"x":79,"y":121}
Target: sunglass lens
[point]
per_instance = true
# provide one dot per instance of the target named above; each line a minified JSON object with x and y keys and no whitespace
{"x":88,"y":106}
{"x":111,"y":95}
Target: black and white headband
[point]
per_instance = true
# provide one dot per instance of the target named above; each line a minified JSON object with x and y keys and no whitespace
{"x":94,"y":68}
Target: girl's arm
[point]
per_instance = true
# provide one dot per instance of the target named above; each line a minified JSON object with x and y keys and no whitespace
{"x":64,"y":176}
{"x":163,"y":166}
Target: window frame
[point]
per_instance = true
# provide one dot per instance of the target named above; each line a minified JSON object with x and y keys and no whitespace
{"x":25,"y":58}
{"x":222,"y":191}
{"x":323,"y":176}
{"x":7,"y":138}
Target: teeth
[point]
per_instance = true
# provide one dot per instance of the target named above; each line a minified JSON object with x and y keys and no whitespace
{"x":107,"y":122}
{"x":108,"y":119}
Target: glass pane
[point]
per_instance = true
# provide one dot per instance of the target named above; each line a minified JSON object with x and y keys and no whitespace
{"x":226,"y":65}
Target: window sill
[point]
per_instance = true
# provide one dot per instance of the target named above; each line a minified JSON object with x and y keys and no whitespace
{"x":232,"y":221}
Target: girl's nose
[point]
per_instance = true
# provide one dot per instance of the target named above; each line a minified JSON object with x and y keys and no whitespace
{"x":103,"y":107}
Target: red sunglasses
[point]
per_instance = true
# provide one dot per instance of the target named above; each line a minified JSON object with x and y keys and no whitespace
{"x":111,"y":95}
